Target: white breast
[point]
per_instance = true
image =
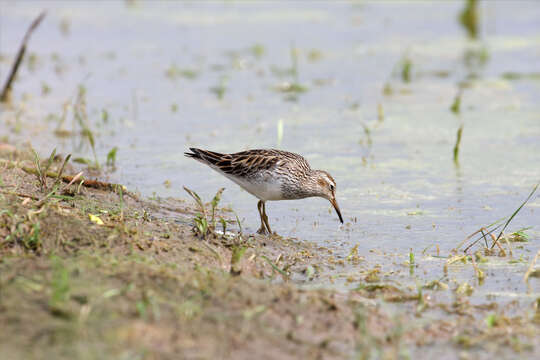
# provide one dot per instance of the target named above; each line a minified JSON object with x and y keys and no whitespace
{"x":265,"y":187}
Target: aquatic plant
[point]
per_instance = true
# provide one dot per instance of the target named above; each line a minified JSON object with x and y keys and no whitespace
{"x":469,"y":18}
{"x":457,"y":144}
{"x":487,"y":232}
{"x":111,"y":156}
{"x":221,"y":88}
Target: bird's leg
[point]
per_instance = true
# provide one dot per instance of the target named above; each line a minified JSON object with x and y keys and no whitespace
{"x":260,"y":207}
{"x":265,"y":218}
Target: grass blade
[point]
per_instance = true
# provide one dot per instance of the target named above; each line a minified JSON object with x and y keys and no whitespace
{"x":283,"y":273}
{"x":515,"y":213}
{"x":458,"y":143}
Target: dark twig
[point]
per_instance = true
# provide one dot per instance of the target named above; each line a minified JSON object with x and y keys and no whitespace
{"x":483,"y":236}
{"x":456,"y":146}
{"x":7,"y":87}
{"x":19,"y":194}
{"x":476,"y":232}
{"x":77,"y":179}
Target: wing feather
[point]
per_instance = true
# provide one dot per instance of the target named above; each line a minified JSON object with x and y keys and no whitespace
{"x":249,"y":162}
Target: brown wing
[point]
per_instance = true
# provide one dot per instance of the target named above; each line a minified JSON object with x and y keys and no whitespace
{"x":246,"y":163}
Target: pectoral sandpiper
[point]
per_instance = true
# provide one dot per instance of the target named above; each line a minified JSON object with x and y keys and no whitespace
{"x":271,"y":175}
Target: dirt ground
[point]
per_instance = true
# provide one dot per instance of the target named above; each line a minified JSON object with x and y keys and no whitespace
{"x":90,"y":273}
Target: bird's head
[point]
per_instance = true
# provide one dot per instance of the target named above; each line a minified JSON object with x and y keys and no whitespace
{"x":326,"y":188}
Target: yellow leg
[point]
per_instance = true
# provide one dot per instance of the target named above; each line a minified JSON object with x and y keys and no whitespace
{"x":260,"y":207}
{"x":265,"y":218}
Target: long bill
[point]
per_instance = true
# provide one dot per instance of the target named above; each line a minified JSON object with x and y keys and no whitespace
{"x":336,"y":206}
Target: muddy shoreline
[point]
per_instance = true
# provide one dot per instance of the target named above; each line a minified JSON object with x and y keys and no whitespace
{"x":140,"y":282}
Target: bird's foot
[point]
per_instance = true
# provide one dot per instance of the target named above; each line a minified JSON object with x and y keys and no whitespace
{"x":262,"y":230}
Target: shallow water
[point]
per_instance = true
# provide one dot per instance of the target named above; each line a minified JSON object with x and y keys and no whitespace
{"x":398,"y":186}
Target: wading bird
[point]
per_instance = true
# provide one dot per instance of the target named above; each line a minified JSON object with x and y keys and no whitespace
{"x":271,"y":175}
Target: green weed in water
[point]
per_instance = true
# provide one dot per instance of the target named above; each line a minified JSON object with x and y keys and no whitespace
{"x":293,"y":87}
{"x":456,"y":105}
{"x":367,"y":134}
{"x":111,"y":157}
{"x":104,"y":116}
{"x":488,"y":230}
{"x":520,"y":76}
{"x":475,"y":58}
{"x":387,"y":89}
{"x":314,"y":55}
{"x":469,"y":18}
{"x":81,"y":118}
{"x":515,"y":213}
{"x":520,"y":235}
{"x":380,"y":112}
{"x":294,"y":63}
{"x":464,"y":289}
{"x":406,"y":67}
{"x":457,"y":145}
{"x":257,"y":50}
{"x":411,"y":262}
{"x":45,"y":89}
{"x":174,"y":72}
{"x":220,"y":89}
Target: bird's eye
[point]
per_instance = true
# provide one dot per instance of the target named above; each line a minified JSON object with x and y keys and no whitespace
{"x":332,"y":187}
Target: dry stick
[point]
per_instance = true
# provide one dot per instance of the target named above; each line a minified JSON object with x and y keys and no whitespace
{"x":22,"y":49}
{"x":495,"y":242}
{"x":96,"y":184}
{"x":19,"y":194}
{"x":75,"y":178}
{"x":530,"y":269}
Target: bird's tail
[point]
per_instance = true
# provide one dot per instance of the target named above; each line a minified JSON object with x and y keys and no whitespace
{"x":204,"y":156}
